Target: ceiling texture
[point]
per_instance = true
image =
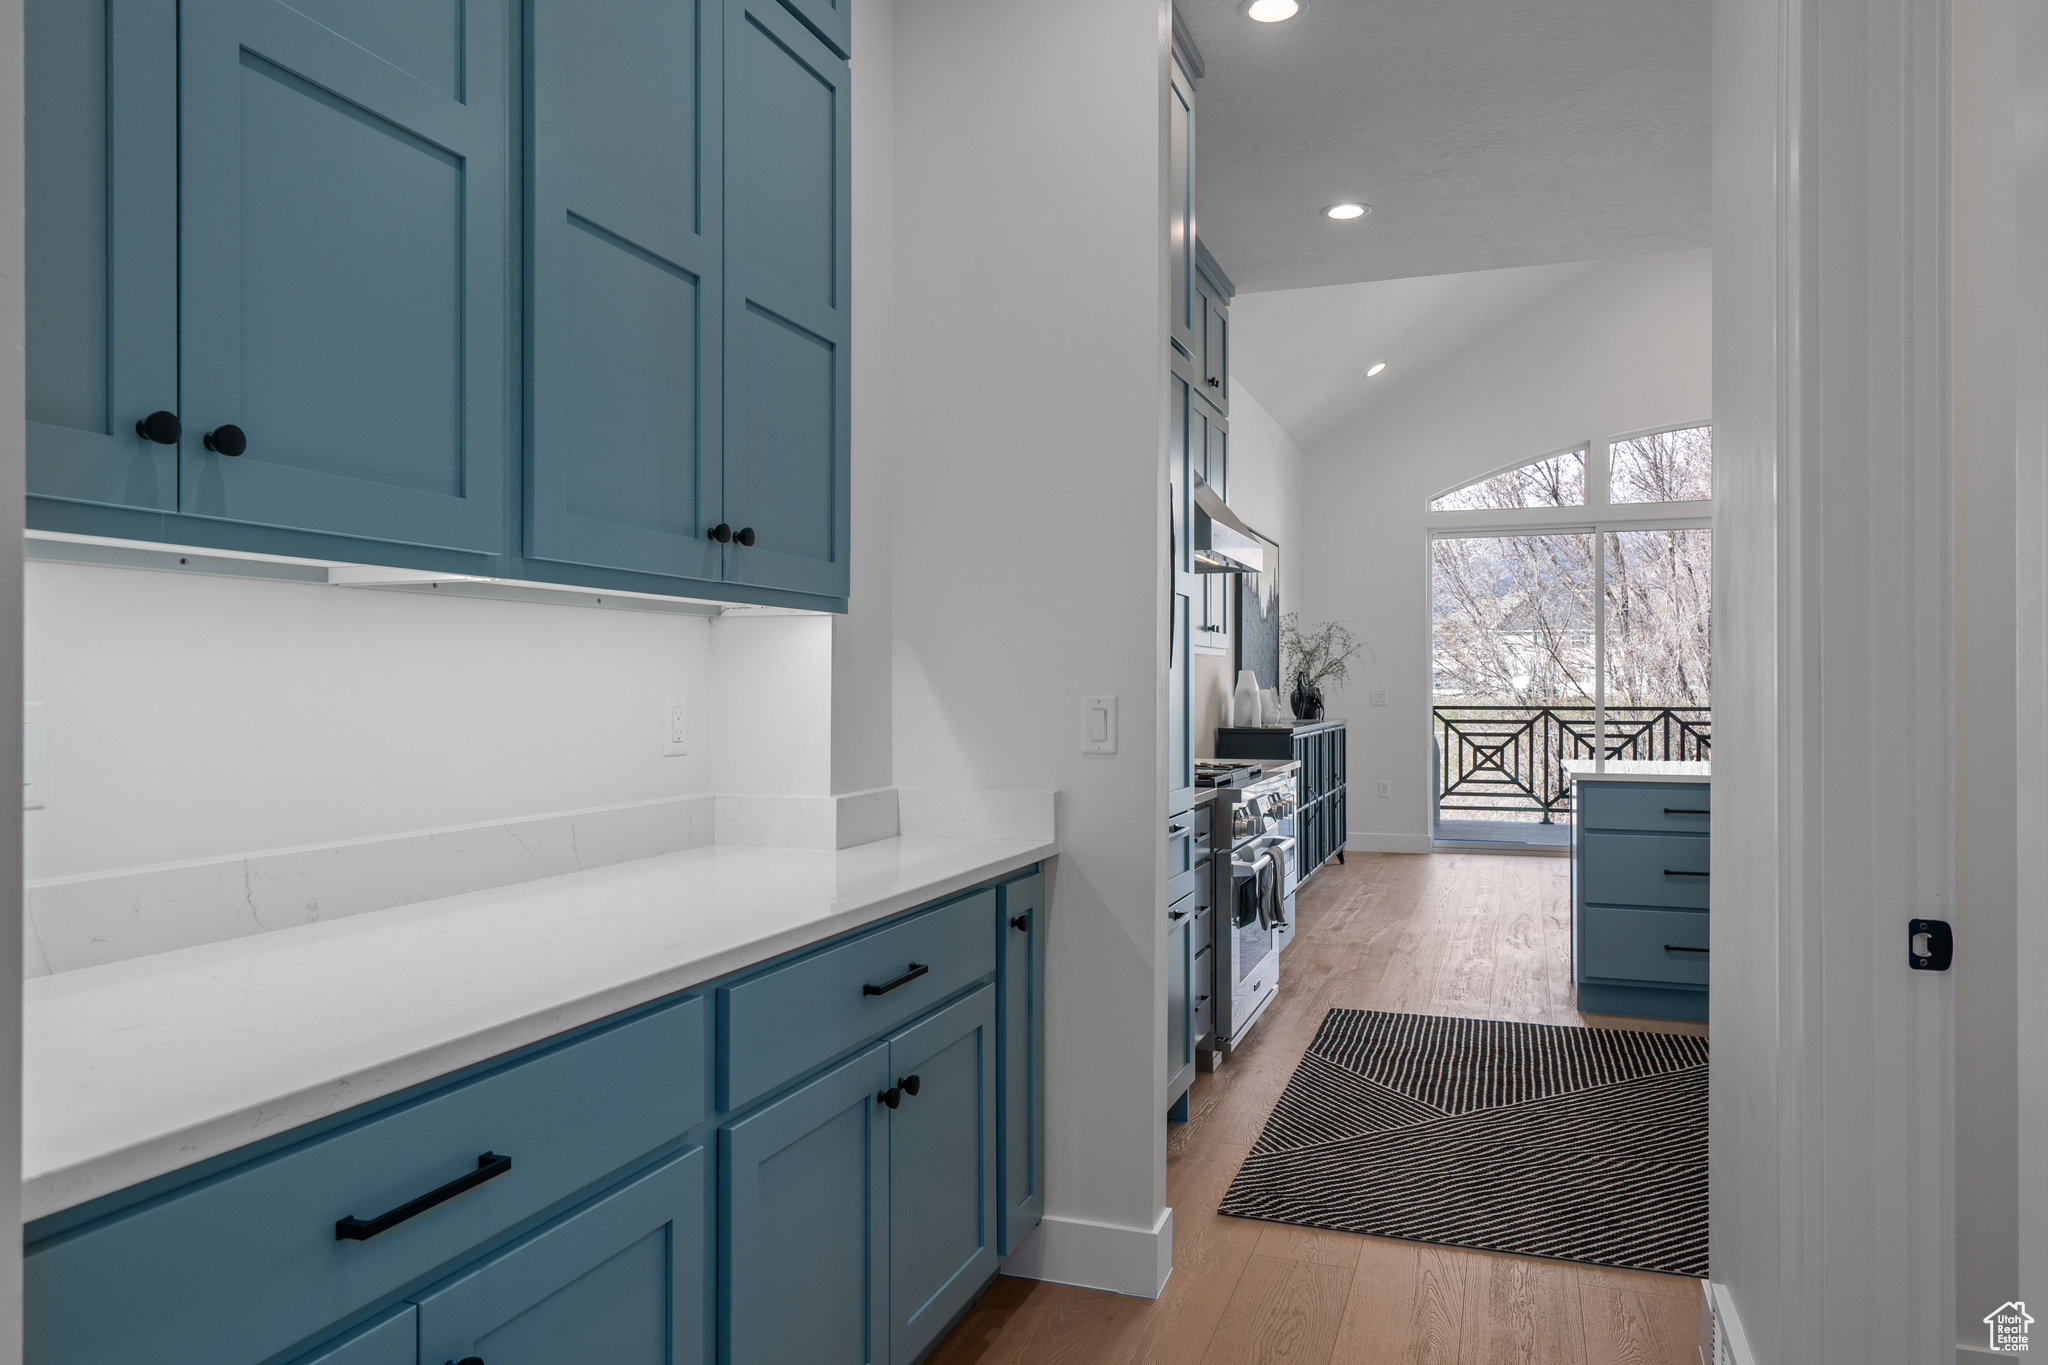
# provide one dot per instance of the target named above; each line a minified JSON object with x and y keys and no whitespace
{"x":1484,"y":134}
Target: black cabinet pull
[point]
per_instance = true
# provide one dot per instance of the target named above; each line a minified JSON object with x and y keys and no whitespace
{"x":1685,"y":810}
{"x":744,"y":536}
{"x":1176,"y":916}
{"x":1021,"y":923}
{"x":1215,"y":383}
{"x":890,"y":1098}
{"x":228,"y":440}
{"x":1674,"y":948}
{"x":160,"y":427}
{"x":468,"y":1360}
{"x":917,"y":969}
{"x":721,"y":533}
{"x":1674,"y":872}
{"x":911,"y":1084}
{"x":489,"y":1166}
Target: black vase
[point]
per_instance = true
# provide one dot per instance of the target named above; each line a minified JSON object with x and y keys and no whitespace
{"x":1308,"y":701}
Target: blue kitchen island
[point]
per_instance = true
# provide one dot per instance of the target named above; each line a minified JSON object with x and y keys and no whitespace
{"x":1641,"y":888}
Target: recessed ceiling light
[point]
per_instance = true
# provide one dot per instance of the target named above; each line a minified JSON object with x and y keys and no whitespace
{"x":1377,"y":367}
{"x":1272,"y":11}
{"x":1345,"y":212}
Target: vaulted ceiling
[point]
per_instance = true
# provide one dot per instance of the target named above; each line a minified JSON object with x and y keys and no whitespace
{"x":1483,"y":133}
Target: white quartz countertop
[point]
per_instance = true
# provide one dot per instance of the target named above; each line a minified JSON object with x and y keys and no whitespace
{"x":139,"y":1068}
{"x":1637,"y":770}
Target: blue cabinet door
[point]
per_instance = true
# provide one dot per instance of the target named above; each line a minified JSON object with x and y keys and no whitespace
{"x":804,"y":1251}
{"x":831,"y":20}
{"x":623,"y":284}
{"x":102,"y":223}
{"x":1020,"y":984}
{"x":620,"y":1280}
{"x":343,"y":262}
{"x":942,"y":1170}
{"x":392,"y":1340}
{"x":787,"y":318}
{"x":1180,"y":998}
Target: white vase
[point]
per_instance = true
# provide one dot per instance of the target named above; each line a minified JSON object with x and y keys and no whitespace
{"x":1244,"y":703}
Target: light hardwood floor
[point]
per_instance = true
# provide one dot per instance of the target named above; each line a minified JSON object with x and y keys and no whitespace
{"x":1466,"y":934}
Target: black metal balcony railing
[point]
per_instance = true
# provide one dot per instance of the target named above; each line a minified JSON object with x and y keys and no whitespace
{"x":1511,"y":758}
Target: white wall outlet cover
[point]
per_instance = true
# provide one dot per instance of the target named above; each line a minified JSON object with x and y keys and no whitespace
{"x":675,"y":725}
{"x":1098,"y":725}
{"x":1379,"y":696}
{"x":1386,"y":789}
{"x":35,"y":756}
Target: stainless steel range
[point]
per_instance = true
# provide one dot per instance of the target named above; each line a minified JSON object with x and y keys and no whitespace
{"x":1255,"y":901}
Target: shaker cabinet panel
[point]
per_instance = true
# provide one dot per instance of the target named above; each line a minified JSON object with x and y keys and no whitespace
{"x":787,"y":320}
{"x":1184,"y":329}
{"x":623,"y":285}
{"x":620,"y":1280}
{"x":1021,"y":980}
{"x":942,"y":1170}
{"x":804,"y":1213}
{"x":831,"y":20}
{"x":391,"y":1340}
{"x":101,"y":185}
{"x":343,"y":281}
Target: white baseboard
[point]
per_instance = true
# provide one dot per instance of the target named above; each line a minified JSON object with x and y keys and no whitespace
{"x":1731,"y":1343}
{"x":1388,"y":843}
{"x":1123,"y":1260}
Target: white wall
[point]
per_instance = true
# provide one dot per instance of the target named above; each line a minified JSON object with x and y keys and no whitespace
{"x":1614,"y":347}
{"x":1030,"y":535}
{"x":1986,"y":773}
{"x":1265,"y":489}
{"x":199,"y":717}
{"x":862,"y":640}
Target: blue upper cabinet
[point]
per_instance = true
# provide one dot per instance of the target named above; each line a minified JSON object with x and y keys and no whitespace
{"x":788,"y":320}
{"x":624,"y":268}
{"x":831,"y":20}
{"x":343,"y":292}
{"x":620,"y":1280}
{"x":102,"y":221}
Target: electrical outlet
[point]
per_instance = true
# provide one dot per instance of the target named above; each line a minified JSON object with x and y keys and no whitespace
{"x":675,"y":725}
{"x":1379,"y":696}
{"x":35,"y":756}
{"x":1386,"y":790}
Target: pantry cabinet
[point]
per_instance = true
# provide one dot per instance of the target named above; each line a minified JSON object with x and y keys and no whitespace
{"x":461,"y":287}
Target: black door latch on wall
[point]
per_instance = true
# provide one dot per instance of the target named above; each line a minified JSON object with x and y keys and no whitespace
{"x":1930,"y":945}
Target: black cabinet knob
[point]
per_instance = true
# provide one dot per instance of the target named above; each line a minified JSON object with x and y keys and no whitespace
{"x":1215,"y":383}
{"x":160,"y":427}
{"x":911,"y":1085}
{"x":721,"y":533}
{"x":744,"y":536}
{"x":226,"y":440}
{"x":468,"y":1360}
{"x":1021,"y":923}
{"x":890,"y":1098}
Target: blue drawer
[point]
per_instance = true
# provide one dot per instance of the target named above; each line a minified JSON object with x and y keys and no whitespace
{"x":780,"y":1024}
{"x":1644,"y":869}
{"x":241,"y":1266}
{"x":1668,"y":947}
{"x":1666,"y":808}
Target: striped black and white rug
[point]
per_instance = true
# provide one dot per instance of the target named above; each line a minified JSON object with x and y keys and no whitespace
{"x":1574,"y":1143}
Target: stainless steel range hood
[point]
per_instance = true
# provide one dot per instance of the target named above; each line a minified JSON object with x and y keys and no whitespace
{"x":1222,"y":541}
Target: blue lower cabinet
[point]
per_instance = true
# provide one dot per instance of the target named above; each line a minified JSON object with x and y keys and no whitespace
{"x":393,"y":1339}
{"x":619,"y":1280}
{"x":1180,"y":1002}
{"x":1020,"y":1069}
{"x":942,"y":1170}
{"x":803,"y":1272}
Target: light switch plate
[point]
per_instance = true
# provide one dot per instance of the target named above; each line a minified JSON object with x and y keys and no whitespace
{"x":675,"y":725}
{"x":1386,"y":789}
{"x":35,"y":756}
{"x":1379,"y":696}
{"x":1098,"y":725}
